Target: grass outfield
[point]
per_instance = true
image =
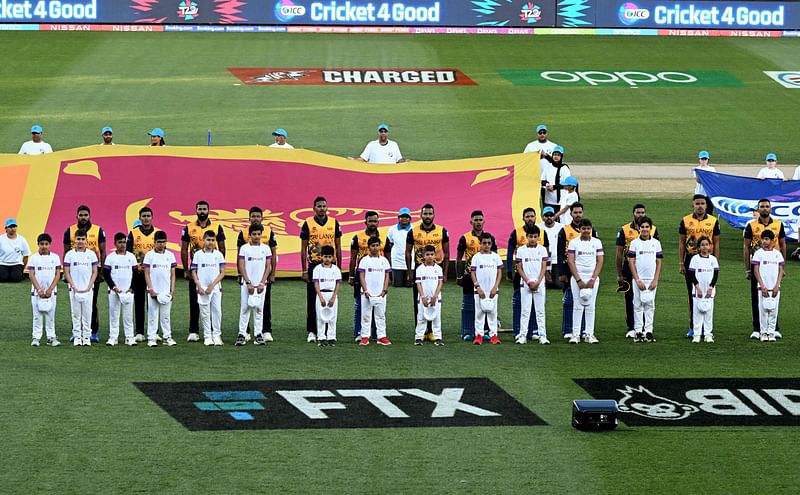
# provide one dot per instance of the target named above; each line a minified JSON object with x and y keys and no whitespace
{"x":74,"y":423}
{"x":75,"y":83}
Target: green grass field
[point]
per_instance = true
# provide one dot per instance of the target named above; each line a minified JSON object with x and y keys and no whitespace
{"x":73,"y":422}
{"x":75,"y":83}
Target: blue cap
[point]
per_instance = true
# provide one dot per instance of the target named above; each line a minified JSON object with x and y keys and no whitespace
{"x":105,"y":130}
{"x":772,"y":156}
{"x":548,"y":209}
{"x":157,"y":131}
{"x":703,"y":154}
{"x":559,"y":149}
{"x":280,"y":132}
{"x":10,"y":222}
{"x":540,"y":127}
{"x":36,"y":129}
{"x":383,"y":126}
{"x":404,"y":211}
{"x":569,"y":181}
{"x":137,"y":223}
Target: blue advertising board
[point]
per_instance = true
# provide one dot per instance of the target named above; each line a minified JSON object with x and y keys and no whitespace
{"x":497,"y":13}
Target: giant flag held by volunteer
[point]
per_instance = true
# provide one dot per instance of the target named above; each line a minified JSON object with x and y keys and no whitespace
{"x":44,"y":191}
{"x":735,"y":198}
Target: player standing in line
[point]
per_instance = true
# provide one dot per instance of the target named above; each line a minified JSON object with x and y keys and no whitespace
{"x":704,"y":273}
{"x":192,"y":240}
{"x":768,"y":271}
{"x":96,"y":242}
{"x":486,"y":270}
{"x":359,"y":249}
{"x":254,"y":265}
{"x":118,"y":273}
{"x":208,"y":270}
{"x":80,"y":272}
{"x":644,"y":264}
{"x":516,"y":240}
{"x":429,"y":287}
{"x":141,"y":241}
{"x":532,"y":260}
{"x":753,"y":233}
{"x":585,"y":259}
{"x":318,"y":231}
{"x":468,"y":245}
{"x":626,"y":235}
{"x":327,"y":279}
{"x":159,"y":274}
{"x":698,"y":224}
{"x":420,"y":236}
{"x":550,"y":229}
{"x":44,"y":268}
{"x":570,"y":231}
{"x":374,"y":272}
{"x":256,"y":215}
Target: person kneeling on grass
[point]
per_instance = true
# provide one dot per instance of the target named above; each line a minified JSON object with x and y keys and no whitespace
{"x":327,"y":279}
{"x":208,"y":270}
{"x":704,"y":272}
{"x":486,"y":270}
{"x":45,"y":272}
{"x":585,"y":259}
{"x":644,"y":260}
{"x":118,"y":273}
{"x":254,"y":266}
{"x":532,"y":261}
{"x":374,"y":271}
{"x":159,"y":274}
{"x":429,"y":287}
{"x":80,"y":272}
{"x":768,"y":270}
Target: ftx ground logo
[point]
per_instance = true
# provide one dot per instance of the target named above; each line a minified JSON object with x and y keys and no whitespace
{"x":291,"y":404}
{"x":701,"y":402}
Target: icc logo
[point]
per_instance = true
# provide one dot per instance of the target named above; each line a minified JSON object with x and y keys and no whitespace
{"x":643,"y":402}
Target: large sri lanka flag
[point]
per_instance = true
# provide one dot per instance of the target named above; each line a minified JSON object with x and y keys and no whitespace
{"x":43,"y":192}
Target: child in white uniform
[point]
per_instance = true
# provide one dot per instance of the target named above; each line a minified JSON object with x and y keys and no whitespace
{"x":768,"y":270}
{"x":254,"y":266}
{"x":585,"y":259}
{"x":208,"y":270}
{"x":327,"y":278}
{"x":118,"y":274}
{"x":374,"y":271}
{"x":429,"y":287}
{"x":80,"y":272}
{"x":44,"y":269}
{"x":532,"y":261}
{"x":159,"y":274}
{"x":486,"y":272}
{"x":644,"y":258}
{"x":704,"y":270}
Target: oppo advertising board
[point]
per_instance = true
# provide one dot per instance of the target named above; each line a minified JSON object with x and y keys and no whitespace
{"x":490,"y":13}
{"x":760,"y":15}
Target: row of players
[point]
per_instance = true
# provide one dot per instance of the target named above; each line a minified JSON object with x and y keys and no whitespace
{"x":320,"y":230}
{"x":584,"y":255}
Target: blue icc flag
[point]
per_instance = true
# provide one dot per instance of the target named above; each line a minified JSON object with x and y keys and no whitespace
{"x":735,"y":197}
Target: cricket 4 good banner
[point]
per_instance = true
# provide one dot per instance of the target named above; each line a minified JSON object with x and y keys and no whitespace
{"x":735,"y":198}
{"x":44,"y":191}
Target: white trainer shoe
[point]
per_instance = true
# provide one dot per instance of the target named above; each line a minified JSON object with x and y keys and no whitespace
{"x":631,"y":334}
{"x":208,"y":341}
{"x":543,"y":340}
{"x":170,"y":342}
{"x":568,"y":336}
{"x":755,"y":335}
{"x":521,"y":340}
{"x":152,"y":343}
{"x":591,"y":339}
{"x":311,"y":337}
{"x":268,"y":336}
{"x":575,"y":339}
{"x":777,"y":335}
{"x":193,"y":337}
{"x":111,"y":342}
{"x":53,"y":342}
{"x":772,"y":338}
{"x":696,"y":339}
{"x":709,"y":339}
{"x":217,"y":340}
{"x":139,"y":338}
{"x":131,"y":342}
{"x":87,"y":342}
{"x":77,"y":342}
{"x":35,"y":343}
{"x":762,"y":337}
